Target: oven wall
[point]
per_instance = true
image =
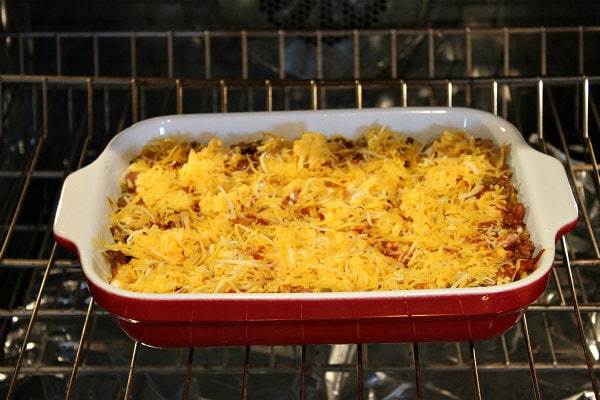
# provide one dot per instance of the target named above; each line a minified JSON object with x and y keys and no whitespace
{"x":74,"y":15}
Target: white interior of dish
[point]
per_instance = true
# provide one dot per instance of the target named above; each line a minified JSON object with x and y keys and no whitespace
{"x":540,"y":179}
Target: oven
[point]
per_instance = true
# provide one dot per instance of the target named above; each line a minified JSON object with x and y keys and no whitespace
{"x":66,"y":89}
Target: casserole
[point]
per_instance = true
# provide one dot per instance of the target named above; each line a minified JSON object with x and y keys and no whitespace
{"x":307,"y":318}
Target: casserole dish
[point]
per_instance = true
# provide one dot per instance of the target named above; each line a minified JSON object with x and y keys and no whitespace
{"x":167,"y":320}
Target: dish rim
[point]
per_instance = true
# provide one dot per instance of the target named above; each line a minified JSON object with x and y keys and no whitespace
{"x":160,"y":123}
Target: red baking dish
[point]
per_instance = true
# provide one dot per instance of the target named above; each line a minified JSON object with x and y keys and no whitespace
{"x":167,"y":320}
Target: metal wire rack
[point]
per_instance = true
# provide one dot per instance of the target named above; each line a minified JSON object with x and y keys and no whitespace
{"x":64,"y":95}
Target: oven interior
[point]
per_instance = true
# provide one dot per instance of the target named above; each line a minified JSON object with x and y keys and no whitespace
{"x":74,"y":74}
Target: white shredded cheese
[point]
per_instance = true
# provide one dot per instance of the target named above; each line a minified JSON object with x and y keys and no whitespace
{"x":315,"y":214}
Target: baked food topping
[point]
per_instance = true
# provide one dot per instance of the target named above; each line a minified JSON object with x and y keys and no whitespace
{"x":383,"y":212}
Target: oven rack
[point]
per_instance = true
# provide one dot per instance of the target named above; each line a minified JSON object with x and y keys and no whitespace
{"x":63,"y":95}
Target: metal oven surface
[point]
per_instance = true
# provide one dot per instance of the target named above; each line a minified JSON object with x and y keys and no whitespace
{"x":64,"y":95}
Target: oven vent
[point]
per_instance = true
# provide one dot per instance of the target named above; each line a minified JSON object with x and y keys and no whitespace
{"x":295,"y":15}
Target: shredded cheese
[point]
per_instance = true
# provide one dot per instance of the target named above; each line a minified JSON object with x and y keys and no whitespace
{"x":384,"y":212}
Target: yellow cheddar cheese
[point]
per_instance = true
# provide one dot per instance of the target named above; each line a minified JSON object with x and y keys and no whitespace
{"x":383,"y":212}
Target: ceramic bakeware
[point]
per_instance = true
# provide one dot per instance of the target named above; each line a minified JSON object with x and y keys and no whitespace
{"x":304,"y":318}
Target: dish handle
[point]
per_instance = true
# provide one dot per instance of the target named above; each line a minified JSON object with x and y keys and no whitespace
{"x":71,"y":222}
{"x":550,"y":192}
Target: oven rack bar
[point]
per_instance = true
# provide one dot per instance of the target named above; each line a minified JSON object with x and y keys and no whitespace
{"x":467,"y":360}
{"x":257,"y":94}
{"x":25,"y":263}
{"x":171,"y":46}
